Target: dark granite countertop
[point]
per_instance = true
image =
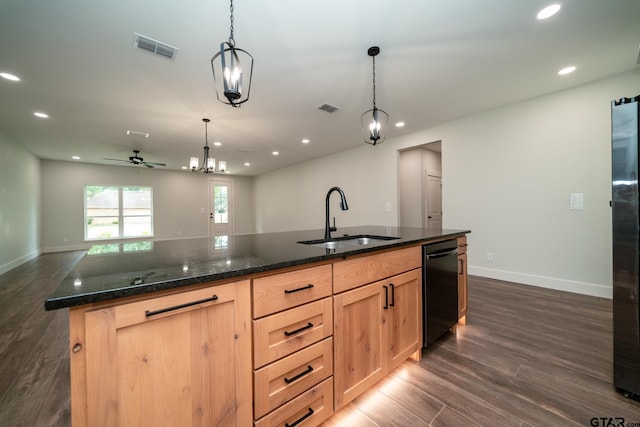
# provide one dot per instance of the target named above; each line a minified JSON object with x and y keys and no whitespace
{"x":118,"y":270}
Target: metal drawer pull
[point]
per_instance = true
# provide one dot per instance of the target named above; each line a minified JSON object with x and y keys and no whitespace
{"x":287,"y":291}
{"x":177,"y":307}
{"x":288,"y":334}
{"x":393,"y":295}
{"x":301,"y":419}
{"x":300,"y":375}
{"x":386,"y":297}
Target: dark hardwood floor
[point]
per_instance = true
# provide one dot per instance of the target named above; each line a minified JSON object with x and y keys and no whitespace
{"x":527,"y":357}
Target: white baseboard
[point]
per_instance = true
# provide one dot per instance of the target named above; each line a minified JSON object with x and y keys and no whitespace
{"x":16,"y":262}
{"x":601,"y":291}
{"x":50,"y":249}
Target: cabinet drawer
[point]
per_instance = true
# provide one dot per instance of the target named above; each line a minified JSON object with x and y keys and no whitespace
{"x":282,"y":291}
{"x":283,"y":333}
{"x":283,"y":380}
{"x":360,"y":271}
{"x":309,"y":409}
{"x":462,"y":245}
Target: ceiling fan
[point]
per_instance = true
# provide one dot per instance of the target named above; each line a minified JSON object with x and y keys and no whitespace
{"x":137,"y":160}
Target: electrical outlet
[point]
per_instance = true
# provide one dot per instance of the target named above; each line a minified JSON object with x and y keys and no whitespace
{"x":387,"y":207}
{"x":489,"y":256}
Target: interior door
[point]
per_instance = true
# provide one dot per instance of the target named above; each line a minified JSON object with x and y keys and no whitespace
{"x":220,"y":208}
{"x":433,"y":200}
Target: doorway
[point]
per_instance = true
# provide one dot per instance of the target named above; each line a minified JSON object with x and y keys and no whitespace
{"x":220,"y":208}
{"x":420,"y":186}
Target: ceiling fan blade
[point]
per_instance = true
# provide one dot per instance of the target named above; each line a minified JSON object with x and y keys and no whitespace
{"x":118,"y":160}
{"x":156,"y":164}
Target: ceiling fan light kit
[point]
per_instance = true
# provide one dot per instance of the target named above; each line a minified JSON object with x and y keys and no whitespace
{"x":137,"y":160}
{"x":374,"y":121}
{"x":228,"y":73}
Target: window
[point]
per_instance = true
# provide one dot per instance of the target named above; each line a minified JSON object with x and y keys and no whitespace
{"x":220,"y":203}
{"x":115,"y":212}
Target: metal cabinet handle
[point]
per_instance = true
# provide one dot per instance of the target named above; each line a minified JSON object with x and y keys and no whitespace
{"x":386,"y":297}
{"x":393,"y":295}
{"x":441,"y":254}
{"x":288,"y":334}
{"x":290,"y":291}
{"x":301,"y":419}
{"x":300,"y":375}
{"x":461,"y":265}
{"x":149,"y":313}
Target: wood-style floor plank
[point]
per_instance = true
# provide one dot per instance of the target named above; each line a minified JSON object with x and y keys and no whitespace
{"x":527,"y":357}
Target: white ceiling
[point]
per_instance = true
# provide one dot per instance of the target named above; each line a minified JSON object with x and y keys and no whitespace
{"x":440,"y":60}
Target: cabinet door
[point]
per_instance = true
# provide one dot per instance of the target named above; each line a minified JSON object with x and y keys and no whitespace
{"x":179,"y":360}
{"x":405,"y":313}
{"x":360,"y":341}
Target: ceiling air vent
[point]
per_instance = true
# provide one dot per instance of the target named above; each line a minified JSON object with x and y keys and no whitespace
{"x":328,"y":108}
{"x":153,"y":46}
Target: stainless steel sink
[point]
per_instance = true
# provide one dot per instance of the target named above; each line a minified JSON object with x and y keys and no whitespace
{"x":344,"y":241}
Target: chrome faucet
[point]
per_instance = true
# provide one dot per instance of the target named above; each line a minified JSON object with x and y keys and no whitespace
{"x":343,"y":205}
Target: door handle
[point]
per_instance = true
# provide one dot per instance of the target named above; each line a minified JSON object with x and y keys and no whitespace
{"x":393,"y":295}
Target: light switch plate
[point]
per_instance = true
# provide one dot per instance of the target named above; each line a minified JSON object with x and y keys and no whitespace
{"x":576,"y":201}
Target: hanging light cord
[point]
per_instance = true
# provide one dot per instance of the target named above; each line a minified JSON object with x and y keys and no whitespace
{"x":206,"y":134}
{"x":374,"y":82}
{"x":232,"y":41}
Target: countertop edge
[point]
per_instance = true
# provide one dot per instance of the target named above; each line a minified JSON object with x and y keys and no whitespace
{"x":56,"y":303}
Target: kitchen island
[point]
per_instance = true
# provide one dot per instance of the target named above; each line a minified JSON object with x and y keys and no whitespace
{"x":240,"y":329}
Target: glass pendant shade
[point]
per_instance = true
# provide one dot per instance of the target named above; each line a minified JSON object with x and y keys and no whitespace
{"x":194,"y":163}
{"x":211,"y":164}
{"x":222,"y":166}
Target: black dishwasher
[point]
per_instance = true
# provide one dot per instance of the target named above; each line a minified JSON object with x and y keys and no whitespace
{"x":439,"y":289}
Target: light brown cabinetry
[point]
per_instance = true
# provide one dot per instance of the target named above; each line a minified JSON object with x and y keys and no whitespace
{"x":293,"y":347}
{"x":377,"y":325}
{"x":182,"y":359}
{"x":462,"y":279}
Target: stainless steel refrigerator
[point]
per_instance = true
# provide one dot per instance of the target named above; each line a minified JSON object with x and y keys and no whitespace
{"x":626,"y":293}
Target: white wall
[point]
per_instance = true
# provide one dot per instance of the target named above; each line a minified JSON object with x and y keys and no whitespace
{"x":19,"y":205}
{"x":293,"y":198}
{"x":507,"y":176}
{"x":180,"y":201}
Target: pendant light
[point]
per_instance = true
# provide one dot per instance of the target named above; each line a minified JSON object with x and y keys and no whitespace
{"x":208,"y":163}
{"x":374,"y":121}
{"x":228,"y":73}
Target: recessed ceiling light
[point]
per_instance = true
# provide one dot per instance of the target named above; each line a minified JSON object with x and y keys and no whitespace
{"x":305,"y":141}
{"x":275,"y":153}
{"x":247,"y":164}
{"x":11,"y":77}
{"x":567,"y":70}
{"x":41,"y":115}
{"x":75,"y":157}
{"x":400,"y":124}
{"x":184,"y":167}
{"x":217,"y":143}
{"x":548,"y":11}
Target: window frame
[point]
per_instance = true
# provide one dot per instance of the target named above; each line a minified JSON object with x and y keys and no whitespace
{"x":121,"y":213}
